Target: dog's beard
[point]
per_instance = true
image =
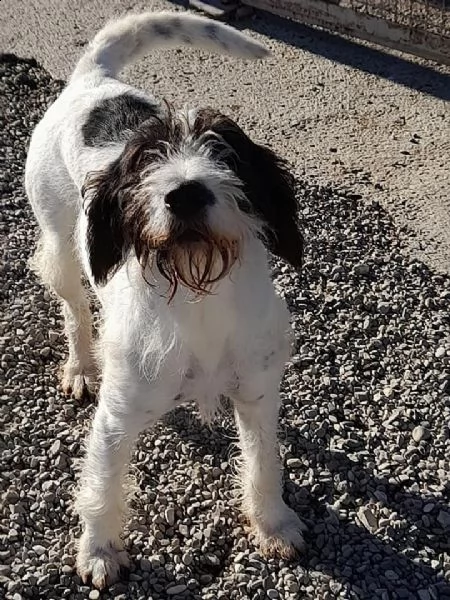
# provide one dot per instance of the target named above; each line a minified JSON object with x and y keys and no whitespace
{"x":194,"y":257}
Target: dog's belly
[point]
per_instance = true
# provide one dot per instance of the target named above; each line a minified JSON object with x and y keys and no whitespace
{"x":205,"y":387}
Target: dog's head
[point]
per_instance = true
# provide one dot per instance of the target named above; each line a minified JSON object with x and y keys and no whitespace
{"x":186,"y":194}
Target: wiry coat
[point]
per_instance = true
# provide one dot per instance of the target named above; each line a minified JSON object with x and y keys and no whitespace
{"x":169,"y":215}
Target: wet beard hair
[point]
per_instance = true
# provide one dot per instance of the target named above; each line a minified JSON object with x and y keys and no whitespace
{"x":195,"y":258}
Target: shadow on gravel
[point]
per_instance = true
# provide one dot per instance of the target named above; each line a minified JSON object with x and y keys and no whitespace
{"x":363,"y":426}
{"x":335,"y":545}
{"x":366,"y":403}
{"x":369,"y":558}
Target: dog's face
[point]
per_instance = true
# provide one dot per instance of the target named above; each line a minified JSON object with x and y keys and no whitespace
{"x":186,"y":194}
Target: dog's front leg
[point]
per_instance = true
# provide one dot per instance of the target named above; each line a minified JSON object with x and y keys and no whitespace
{"x":277,"y":528}
{"x":100,"y":498}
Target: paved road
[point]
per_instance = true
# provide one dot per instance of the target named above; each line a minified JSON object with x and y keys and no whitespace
{"x":341,"y":124}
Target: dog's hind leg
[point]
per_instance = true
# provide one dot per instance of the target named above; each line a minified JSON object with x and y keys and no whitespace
{"x":56,"y":263}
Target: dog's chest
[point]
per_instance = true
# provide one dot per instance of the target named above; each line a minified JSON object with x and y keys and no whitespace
{"x":206,"y":330}
{"x":205,"y":353}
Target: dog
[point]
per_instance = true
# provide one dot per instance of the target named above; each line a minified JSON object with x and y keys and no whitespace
{"x":170,"y":215}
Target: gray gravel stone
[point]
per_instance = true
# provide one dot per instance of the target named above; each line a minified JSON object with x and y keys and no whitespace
{"x":367,"y":518}
{"x":419,"y":433}
{"x":176,"y":589}
{"x":443,"y":519}
{"x":371,"y":366}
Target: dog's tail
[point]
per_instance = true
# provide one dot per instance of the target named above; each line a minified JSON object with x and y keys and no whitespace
{"x":127,"y":39}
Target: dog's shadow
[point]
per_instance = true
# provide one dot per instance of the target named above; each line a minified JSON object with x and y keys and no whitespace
{"x":352,"y":249}
{"x":336,"y":545}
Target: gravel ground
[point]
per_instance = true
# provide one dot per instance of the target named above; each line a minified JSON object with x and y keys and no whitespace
{"x":364,"y":428}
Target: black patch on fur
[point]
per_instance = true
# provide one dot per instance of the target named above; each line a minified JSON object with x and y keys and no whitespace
{"x":268,"y":184}
{"x":113,"y":119}
{"x":110,"y":196}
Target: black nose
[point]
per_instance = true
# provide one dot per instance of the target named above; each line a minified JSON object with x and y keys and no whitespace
{"x":187,"y":200}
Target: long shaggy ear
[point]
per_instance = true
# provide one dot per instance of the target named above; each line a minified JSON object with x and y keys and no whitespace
{"x":267,"y":183}
{"x":103,"y":195}
{"x":107,"y":194}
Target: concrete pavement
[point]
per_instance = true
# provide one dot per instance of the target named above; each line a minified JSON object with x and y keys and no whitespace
{"x":334,"y":109}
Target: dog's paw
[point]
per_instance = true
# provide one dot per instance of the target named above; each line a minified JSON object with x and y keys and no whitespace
{"x":101,"y":566}
{"x":78,"y":382}
{"x":282,"y":539}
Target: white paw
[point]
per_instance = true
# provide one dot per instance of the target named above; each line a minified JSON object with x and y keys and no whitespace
{"x":101,"y":566}
{"x":282,"y":537}
{"x":78,"y":381}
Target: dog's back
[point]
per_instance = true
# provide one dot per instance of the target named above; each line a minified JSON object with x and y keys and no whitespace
{"x":58,"y":157}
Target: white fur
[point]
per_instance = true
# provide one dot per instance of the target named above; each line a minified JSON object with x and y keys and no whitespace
{"x":154,"y":354}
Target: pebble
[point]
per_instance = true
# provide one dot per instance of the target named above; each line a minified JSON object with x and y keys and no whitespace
{"x":11,"y":497}
{"x":5,"y":570}
{"x":176,"y":589}
{"x":418,"y":433}
{"x":40,"y":550}
{"x":443,"y":519}
{"x":294,"y":463}
{"x":370,"y":335}
{"x":145,"y":565}
{"x":170,"y":515}
{"x":361,"y":269}
{"x":367,"y":518}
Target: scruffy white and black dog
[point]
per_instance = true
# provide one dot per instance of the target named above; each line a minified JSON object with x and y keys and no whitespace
{"x":169,"y":215}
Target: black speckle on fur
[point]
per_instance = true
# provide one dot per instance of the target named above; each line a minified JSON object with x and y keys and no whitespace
{"x":162,"y":30}
{"x":113,"y":119}
{"x":211,"y":31}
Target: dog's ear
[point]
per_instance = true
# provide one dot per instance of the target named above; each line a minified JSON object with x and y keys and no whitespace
{"x":268,"y":185}
{"x":105,"y":194}
{"x":108,"y":193}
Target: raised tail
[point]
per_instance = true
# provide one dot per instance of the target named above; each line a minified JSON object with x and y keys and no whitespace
{"x":125,"y":40}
